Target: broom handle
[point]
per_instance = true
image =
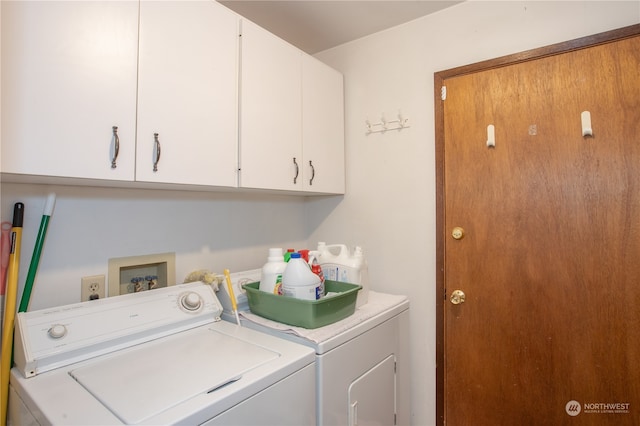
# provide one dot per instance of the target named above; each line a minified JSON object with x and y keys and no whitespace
{"x":10,"y":309}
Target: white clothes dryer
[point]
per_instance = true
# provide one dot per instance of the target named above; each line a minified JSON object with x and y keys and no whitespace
{"x":157,"y":357}
{"x":362,"y":362}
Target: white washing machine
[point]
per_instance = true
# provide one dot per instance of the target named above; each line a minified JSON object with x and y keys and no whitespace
{"x":156,"y":357}
{"x":362,"y":362}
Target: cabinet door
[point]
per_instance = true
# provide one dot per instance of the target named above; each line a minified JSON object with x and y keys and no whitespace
{"x":322,"y":127}
{"x":68,"y":77}
{"x":270,"y":118}
{"x":187,"y":93}
{"x":372,"y":397}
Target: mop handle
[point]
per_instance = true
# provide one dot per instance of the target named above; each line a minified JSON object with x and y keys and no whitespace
{"x":37,"y":252}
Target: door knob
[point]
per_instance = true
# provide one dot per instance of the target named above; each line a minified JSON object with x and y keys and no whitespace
{"x":457,"y":297}
{"x":457,"y":233}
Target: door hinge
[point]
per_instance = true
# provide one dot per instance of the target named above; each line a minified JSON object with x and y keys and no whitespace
{"x":443,"y":92}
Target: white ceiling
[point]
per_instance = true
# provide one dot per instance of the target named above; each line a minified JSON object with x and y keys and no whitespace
{"x":317,"y":25}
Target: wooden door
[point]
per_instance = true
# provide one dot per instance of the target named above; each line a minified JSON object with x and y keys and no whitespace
{"x":549,"y":258}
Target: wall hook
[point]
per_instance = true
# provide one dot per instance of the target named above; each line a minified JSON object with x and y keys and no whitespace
{"x":384,"y":125}
{"x":491,"y":136}
{"x":400,"y":120}
{"x":368,"y":124}
{"x":585,"y":117}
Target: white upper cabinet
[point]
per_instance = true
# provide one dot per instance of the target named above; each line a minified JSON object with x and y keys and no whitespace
{"x":322,"y":127}
{"x":68,"y":77}
{"x":270,"y":111}
{"x":291,"y":118}
{"x":187,"y":93}
{"x":71,"y":72}
{"x":164,"y":92}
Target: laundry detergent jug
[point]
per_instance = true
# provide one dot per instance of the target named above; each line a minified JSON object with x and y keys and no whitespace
{"x":299,"y":281}
{"x":338,"y":264}
{"x":271,"y":274}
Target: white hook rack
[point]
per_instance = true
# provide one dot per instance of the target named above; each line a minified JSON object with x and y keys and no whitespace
{"x":384,"y":125}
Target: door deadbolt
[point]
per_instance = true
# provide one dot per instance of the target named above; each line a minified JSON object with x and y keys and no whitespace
{"x":457,"y":233}
{"x":457,"y":297}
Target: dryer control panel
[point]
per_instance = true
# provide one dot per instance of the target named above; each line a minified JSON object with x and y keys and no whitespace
{"x":54,"y":337}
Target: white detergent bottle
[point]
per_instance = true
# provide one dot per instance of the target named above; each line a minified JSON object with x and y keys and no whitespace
{"x":272,"y":271}
{"x":360,"y":272}
{"x":298,"y":281}
{"x":331,"y":258}
{"x":339,"y":265}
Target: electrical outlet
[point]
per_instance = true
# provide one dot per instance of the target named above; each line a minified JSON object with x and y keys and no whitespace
{"x":92,"y":288}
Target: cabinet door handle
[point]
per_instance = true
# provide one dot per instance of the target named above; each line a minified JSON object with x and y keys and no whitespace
{"x":156,"y":152}
{"x":295,"y":178}
{"x":116,"y":147}
{"x":313,"y":173}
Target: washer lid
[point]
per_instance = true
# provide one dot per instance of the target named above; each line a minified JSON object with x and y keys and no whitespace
{"x":63,"y":335}
{"x":144,"y":381}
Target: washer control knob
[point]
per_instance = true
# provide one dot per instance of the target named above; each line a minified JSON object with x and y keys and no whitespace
{"x":191,"y":301}
{"x":57,"y":331}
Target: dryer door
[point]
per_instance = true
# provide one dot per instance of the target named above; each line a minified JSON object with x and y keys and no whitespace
{"x":372,"y":396}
